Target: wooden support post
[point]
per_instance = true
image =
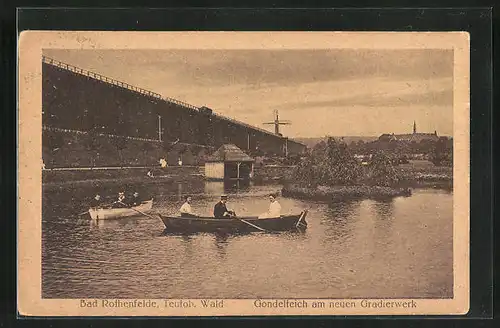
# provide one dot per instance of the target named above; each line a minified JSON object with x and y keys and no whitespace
{"x":159,"y":127}
{"x":238,"y":170}
{"x":286,"y":147}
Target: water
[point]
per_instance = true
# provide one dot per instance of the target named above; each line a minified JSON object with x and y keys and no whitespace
{"x":367,"y":249}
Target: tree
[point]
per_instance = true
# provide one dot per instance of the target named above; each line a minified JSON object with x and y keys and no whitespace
{"x":329,"y":163}
{"x":381,"y":171}
{"x":441,"y":154}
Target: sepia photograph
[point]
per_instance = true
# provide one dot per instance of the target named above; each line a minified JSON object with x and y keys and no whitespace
{"x":183,"y":178}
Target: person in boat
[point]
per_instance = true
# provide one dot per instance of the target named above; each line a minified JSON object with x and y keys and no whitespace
{"x":96,"y":201}
{"x":221,"y":211}
{"x":135,"y":200}
{"x":274,"y":209}
{"x":186,"y":210}
{"x":120,"y":202}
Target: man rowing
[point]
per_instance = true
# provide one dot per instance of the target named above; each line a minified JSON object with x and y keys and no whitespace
{"x":120,"y":202}
{"x":221,"y":211}
{"x":186,"y":210}
{"x":96,"y":202}
{"x":135,"y":200}
{"x":274,"y":209}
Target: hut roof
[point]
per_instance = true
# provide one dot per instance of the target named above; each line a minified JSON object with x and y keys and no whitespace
{"x":229,"y":153}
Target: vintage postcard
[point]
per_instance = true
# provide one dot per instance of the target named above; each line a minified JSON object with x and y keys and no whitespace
{"x":243,"y":174}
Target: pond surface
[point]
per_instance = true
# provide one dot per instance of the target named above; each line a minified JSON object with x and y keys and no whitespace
{"x":361,"y":249}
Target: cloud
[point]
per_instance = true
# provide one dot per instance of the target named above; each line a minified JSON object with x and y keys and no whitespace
{"x":248,"y":85}
{"x":432,"y":98}
{"x":255,"y":68}
{"x":292,"y":67}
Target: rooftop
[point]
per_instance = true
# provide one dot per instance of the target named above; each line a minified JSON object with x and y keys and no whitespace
{"x":229,"y":153}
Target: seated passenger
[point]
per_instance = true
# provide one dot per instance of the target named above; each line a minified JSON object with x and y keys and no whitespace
{"x":274,"y":209}
{"x":186,"y":210}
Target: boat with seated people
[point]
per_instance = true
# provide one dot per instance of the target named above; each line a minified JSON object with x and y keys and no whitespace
{"x":191,"y":224}
{"x":118,"y":213}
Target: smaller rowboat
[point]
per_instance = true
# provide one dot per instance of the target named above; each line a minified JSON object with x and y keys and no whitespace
{"x":117,"y":213}
{"x":234,"y":225}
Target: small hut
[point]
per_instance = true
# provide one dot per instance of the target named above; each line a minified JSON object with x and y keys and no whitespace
{"x":229,"y":163}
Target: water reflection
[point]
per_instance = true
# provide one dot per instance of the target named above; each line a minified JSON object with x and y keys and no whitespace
{"x":384,"y":212}
{"x":179,"y":192}
{"x":339,"y":219}
{"x":116,"y":223}
{"x":345,"y":252}
{"x":221,"y":244}
{"x":214,"y":188}
{"x":236,"y":186}
{"x":228,"y":187}
{"x":384,"y":209}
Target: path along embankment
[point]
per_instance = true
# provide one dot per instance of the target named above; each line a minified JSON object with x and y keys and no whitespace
{"x":410,"y":176}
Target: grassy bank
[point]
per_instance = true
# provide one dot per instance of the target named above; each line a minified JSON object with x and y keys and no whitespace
{"x":425,"y":174}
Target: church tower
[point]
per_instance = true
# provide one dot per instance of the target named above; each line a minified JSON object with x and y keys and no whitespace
{"x":414,"y":127}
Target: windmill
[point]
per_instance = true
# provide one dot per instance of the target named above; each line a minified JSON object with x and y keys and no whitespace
{"x":277,"y":123}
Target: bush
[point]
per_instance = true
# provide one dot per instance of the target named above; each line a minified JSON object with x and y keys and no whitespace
{"x":381,"y":171}
{"x":329,"y":163}
{"x":441,"y":153}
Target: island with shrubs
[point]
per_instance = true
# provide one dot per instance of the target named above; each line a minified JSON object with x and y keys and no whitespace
{"x":331,"y":172}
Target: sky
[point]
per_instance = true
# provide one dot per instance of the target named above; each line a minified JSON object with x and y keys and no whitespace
{"x":335,"y":92}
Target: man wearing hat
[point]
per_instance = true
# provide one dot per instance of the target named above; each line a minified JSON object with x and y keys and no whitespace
{"x":135,"y":200}
{"x":220,"y":209}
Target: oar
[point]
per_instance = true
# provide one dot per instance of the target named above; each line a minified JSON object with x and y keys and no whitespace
{"x":299,"y":222}
{"x":250,"y":224}
{"x":145,"y":214}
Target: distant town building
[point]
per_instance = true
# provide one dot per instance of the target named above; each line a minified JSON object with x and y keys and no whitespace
{"x":410,"y":137}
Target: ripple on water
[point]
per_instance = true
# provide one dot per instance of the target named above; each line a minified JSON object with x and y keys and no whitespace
{"x":401,"y":248}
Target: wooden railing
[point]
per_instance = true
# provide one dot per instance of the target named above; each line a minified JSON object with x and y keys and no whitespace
{"x":109,"y":80}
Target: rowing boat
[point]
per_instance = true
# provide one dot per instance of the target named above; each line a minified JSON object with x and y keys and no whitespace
{"x":234,"y":225}
{"x":117,"y":213}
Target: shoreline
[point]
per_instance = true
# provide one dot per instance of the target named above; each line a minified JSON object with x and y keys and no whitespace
{"x":410,"y":177}
{"x":343,"y":193}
